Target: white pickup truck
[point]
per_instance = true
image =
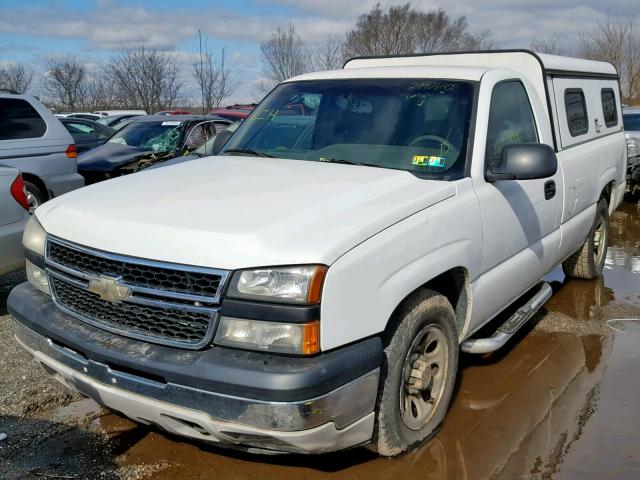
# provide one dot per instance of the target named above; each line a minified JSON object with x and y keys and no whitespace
{"x":310,"y":289}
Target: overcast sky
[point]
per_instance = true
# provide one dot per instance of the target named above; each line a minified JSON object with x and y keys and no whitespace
{"x":32,"y":30}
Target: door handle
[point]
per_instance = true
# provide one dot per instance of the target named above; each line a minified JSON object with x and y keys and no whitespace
{"x":549,"y":189}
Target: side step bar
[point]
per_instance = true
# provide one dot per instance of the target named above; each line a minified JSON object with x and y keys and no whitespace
{"x":511,"y":326}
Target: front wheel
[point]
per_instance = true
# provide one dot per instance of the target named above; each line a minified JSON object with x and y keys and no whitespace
{"x":588,"y":261}
{"x":418,"y":375}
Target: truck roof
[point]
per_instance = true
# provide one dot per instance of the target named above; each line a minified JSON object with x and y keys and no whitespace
{"x":515,"y":59}
{"x":397,"y":71}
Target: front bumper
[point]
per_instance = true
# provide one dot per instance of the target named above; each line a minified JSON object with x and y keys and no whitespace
{"x":88,"y":360}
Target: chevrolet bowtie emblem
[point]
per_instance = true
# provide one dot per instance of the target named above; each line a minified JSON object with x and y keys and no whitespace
{"x":109,"y":289}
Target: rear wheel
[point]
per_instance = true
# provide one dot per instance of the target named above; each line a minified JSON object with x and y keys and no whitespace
{"x":421,"y":362}
{"x":35,"y":197}
{"x":588,"y":261}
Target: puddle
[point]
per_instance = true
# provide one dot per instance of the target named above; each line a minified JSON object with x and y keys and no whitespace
{"x":625,"y":325}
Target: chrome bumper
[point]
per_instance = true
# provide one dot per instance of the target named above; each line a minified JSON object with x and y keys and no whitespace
{"x":340,"y":419}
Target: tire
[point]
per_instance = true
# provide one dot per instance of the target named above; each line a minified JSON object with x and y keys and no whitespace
{"x":588,"y":261}
{"x":35,"y":196}
{"x":424,"y":323}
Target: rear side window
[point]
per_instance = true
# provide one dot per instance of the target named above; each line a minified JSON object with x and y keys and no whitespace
{"x":576,"y":111}
{"x":609,"y":109}
{"x":18,"y":119}
{"x":510,"y":120}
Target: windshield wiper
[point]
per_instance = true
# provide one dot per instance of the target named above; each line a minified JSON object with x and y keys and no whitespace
{"x":248,"y":151}
{"x":349,"y":162}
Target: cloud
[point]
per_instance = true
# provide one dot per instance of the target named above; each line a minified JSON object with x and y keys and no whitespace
{"x":51,"y":28}
{"x":111,"y":24}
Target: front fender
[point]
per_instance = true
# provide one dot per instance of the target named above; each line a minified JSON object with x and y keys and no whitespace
{"x":366,"y":285}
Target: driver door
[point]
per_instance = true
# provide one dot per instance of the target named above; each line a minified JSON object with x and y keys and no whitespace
{"x":520,"y":218}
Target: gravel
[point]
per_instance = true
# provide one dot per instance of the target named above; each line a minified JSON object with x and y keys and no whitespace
{"x":42,"y":435}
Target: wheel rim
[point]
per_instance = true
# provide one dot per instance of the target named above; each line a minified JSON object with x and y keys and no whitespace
{"x":424,"y":373}
{"x":33,"y":201}
{"x":599,"y":240}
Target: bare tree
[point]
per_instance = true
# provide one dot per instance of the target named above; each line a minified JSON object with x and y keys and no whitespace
{"x":215,"y":80}
{"x":102,"y":93}
{"x":227,"y":82}
{"x":145,"y":77}
{"x":284,"y":54}
{"x":65,"y":82}
{"x":403,"y":29}
{"x":328,"y":55}
{"x":16,"y":77}
{"x":554,"y":46}
{"x":617,"y":42}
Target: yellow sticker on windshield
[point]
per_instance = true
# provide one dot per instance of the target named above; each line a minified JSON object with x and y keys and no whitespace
{"x":428,"y":161}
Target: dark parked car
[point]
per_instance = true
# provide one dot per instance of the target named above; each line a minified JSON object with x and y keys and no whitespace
{"x":86,"y":133}
{"x":211,"y":147}
{"x":146,"y":141}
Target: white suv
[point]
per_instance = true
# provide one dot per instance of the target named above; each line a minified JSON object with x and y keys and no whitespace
{"x":310,"y":289}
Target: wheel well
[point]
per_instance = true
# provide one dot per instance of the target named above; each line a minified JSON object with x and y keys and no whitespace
{"x":28,"y":177}
{"x":454,"y":285}
{"x":607,"y":193}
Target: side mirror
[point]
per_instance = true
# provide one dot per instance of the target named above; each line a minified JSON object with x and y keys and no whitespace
{"x":221,"y":139}
{"x":524,"y":161}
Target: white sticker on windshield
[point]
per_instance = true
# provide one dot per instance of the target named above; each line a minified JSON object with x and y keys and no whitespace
{"x":170,"y":124}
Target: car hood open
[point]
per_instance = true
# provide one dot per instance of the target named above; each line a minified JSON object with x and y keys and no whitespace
{"x":235,"y":212}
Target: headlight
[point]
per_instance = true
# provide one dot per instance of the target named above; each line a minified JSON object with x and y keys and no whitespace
{"x":34,"y":236}
{"x":302,"y":284}
{"x":33,"y":240}
{"x":633,"y":147}
{"x":295,"y":338}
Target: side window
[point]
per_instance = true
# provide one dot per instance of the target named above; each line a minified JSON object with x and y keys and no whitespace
{"x":510,"y":120}
{"x":18,"y":119}
{"x":576,"y":109}
{"x":609,"y":108}
{"x":80,"y":130}
{"x":199,"y":134}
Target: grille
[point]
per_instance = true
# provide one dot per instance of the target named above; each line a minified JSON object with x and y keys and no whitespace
{"x":139,"y":274}
{"x":144,"y":320}
{"x":156,"y":302}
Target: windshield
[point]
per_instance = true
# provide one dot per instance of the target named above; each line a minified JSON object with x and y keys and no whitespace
{"x":631,"y":122}
{"x":158,"y":136}
{"x":417,"y":125}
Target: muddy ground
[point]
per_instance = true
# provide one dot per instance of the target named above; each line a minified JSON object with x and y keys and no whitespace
{"x":560,"y":401}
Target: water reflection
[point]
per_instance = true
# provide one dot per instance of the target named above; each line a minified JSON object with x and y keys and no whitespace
{"x":624,"y":242}
{"x":517,"y":417}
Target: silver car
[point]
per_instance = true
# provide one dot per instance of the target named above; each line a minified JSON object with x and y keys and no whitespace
{"x":13,"y":218}
{"x":34,"y":141}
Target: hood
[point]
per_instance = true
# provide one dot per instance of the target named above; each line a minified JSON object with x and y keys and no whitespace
{"x":235,"y":212}
{"x":109,"y":156}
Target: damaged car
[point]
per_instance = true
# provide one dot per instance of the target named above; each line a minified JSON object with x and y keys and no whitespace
{"x":148,"y":141}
